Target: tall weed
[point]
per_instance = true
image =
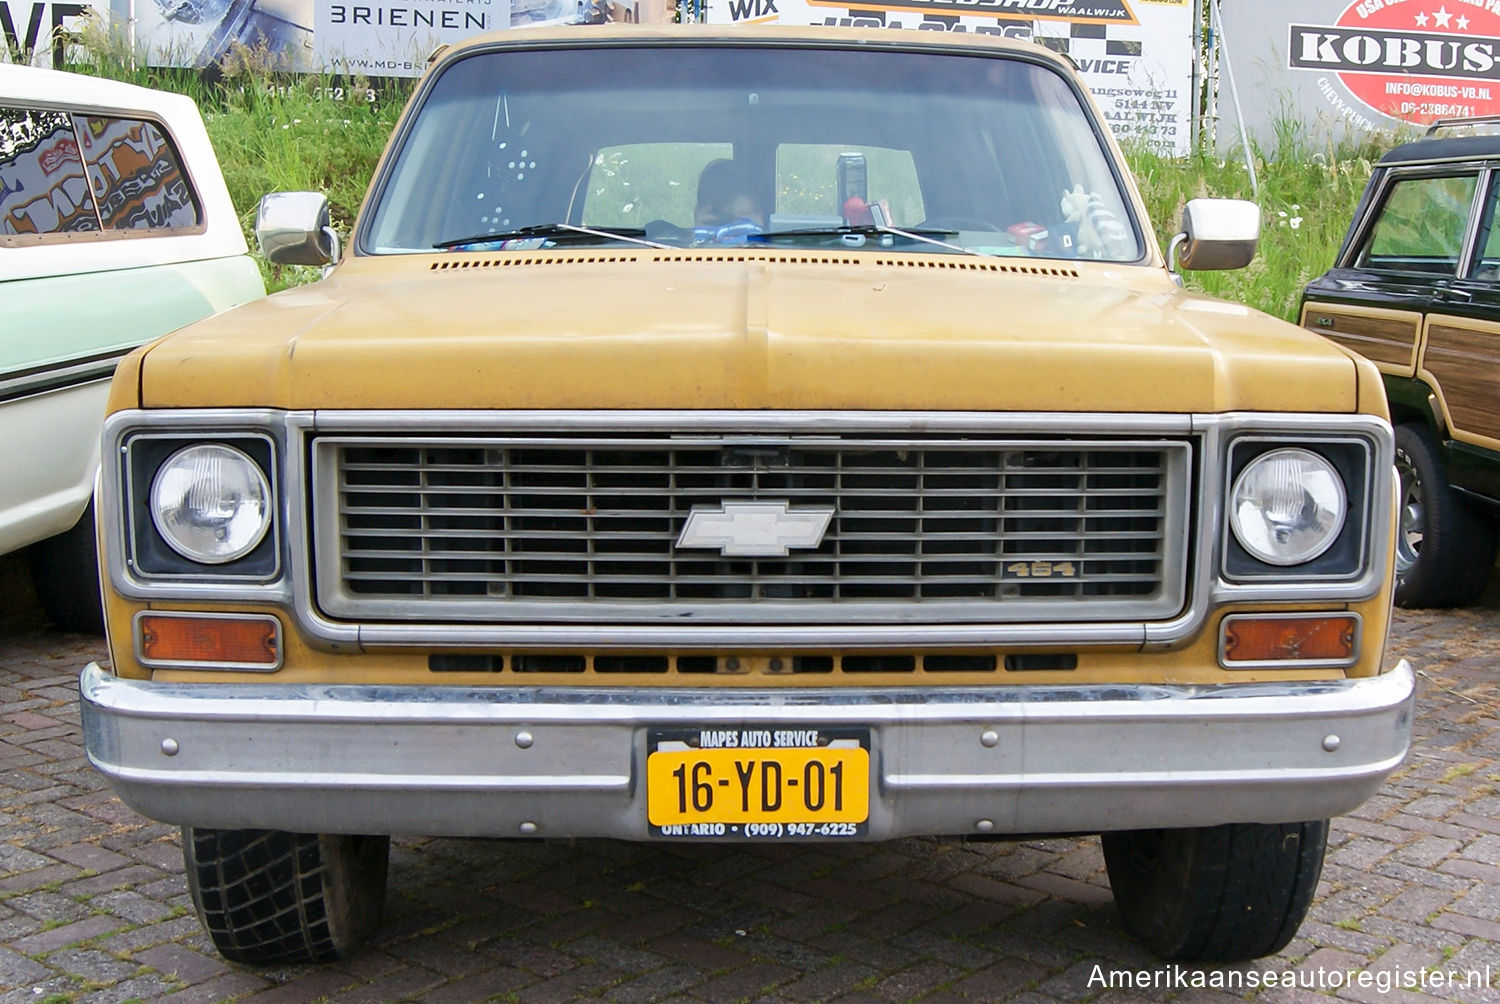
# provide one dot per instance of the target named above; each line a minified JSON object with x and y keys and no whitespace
{"x":1306,"y":204}
{"x":306,"y":133}
{"x":275,"y":132}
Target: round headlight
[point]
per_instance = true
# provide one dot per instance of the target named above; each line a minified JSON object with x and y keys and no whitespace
{"x":1289,"y":506}
{"x":211,"y":503}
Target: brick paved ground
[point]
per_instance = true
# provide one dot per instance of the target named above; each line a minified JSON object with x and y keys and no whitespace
{"x":94,"y":907}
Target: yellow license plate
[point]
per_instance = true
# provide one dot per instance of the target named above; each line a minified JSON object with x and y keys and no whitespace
{"x":758,"y":783}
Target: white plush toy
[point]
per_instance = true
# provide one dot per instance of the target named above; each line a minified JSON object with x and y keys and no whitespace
{"x":1100,"y":232}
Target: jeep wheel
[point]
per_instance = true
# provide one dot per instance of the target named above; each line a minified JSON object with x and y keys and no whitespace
{"x":273,"y":898}
{"x":1216,"y":894}
{"x":65,"y":575}
{"x":1444,"y":549}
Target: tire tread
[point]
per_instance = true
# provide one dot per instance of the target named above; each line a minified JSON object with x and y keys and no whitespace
{"x":260,"y":894}
{"x":1217,"y":894}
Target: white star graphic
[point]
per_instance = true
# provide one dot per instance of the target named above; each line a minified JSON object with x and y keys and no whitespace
{"x":1421,"y":20}
{"x":1463,"y":24}
{"x":1440,"y":17}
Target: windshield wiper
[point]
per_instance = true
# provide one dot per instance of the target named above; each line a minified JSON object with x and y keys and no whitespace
{"x":555,"y":231}
{"x":924,"y":236}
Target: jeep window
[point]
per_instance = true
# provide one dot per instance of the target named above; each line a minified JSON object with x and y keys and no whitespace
{"x":998,"y":151}
{"x":1486,"y":265}
{"x":71,"y":174}
{"x":1421,"y":226}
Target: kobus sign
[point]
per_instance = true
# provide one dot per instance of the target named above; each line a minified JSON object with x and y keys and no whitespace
{"x":1351,"y":68}
{"x":1409,"y":59}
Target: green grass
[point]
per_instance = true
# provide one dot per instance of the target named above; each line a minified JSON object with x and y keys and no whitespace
{"x":325,"y":134}
{"x":1306,"y":202}
{"x":278,"y":133}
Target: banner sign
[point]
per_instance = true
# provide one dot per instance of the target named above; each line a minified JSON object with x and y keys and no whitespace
{"x":1407,"y":61}
{"x":374,"y":38}
{"x":1352,"y":67}
{"x":38,"y":29}
{"x":1135,"y":55}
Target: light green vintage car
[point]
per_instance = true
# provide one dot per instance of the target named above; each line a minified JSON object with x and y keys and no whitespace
{"x":115,"y":227}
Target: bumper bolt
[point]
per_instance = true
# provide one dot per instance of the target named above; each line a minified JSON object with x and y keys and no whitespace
{"x":170,"y":747}
{"x":1331,"y":743}
{"x":984,"y":826}
{"x":528,"y":828}
{"x":989,"y":738}
{"x":524,"y":740}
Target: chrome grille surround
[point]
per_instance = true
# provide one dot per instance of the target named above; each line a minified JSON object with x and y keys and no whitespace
{"x":1210,"y":437}
{"x":531,"y":525}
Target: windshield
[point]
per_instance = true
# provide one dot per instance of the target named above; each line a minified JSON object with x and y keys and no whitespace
{"x":690,"y":146}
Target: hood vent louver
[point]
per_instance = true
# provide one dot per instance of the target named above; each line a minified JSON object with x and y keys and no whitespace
{"x":948,"y":263}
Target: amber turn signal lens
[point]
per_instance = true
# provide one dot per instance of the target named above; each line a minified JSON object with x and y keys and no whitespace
{"x":209,"y":642}
{"x":1280,"y":639}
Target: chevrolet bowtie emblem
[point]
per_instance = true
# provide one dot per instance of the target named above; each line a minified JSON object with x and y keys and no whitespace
{"x":755,"y":529}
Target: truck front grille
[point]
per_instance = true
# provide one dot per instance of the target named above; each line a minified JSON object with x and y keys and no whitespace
{"x":552,"y":528}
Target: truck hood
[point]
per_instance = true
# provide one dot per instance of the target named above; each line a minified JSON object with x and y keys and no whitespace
{"x":745,"y":331}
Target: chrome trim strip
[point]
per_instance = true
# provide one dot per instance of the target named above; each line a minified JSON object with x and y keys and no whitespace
{"x":688,"y":422}
{"x":683,"y":637}
{"x":61,"y":376}
{"x":442,"y":759}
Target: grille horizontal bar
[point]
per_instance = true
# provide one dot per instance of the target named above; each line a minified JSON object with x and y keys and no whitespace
{"x":477,"y":527}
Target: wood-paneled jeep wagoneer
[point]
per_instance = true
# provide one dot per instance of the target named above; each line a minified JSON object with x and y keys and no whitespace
{"x":1416,"y":288}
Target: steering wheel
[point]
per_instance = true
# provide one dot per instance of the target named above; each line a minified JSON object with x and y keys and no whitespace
{"x":665,"y":232}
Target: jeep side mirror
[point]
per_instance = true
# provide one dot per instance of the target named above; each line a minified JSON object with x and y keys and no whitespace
{"x":1216,"y":234}
{"x":293,"y":228}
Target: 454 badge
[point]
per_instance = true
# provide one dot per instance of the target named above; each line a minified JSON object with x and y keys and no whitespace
{"x":1415,"y":60}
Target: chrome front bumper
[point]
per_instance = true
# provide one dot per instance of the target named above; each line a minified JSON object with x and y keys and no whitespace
{"x":552,"y":762}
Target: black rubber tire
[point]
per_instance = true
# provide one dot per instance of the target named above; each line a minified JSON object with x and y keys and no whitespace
{"x":267,"y":897}
{"x":1444,"y":547}
{"x":65,"y":576}
{"x":1216,"y":894}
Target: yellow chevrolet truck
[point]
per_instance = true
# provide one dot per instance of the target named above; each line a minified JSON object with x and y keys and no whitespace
{"x":748,"y":435}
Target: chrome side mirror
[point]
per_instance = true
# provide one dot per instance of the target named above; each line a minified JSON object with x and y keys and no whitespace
{"x":293,"y":228}
{"x":1216,"y":234}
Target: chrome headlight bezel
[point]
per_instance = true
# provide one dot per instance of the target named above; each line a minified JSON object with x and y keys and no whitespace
{"x":150,"y":553}
{"x":1344,"y":556}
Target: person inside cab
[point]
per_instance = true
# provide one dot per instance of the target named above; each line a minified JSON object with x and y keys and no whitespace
{"x":727,"y":210}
